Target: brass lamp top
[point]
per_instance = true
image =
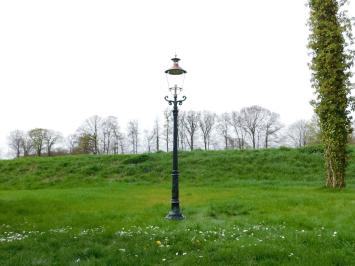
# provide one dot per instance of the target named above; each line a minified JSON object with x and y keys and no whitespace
{"x":175,"y":69}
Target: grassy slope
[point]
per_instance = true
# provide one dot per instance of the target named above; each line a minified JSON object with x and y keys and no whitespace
{"x":304,"y":165}
{"x":264,"y":207}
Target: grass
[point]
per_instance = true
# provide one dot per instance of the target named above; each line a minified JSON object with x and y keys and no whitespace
{"x":263,"y":207}
{"x":198,"y":167}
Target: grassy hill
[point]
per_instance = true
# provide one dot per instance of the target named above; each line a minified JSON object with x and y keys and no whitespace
{"x":198,"y":167}
{"x":264,"y":207}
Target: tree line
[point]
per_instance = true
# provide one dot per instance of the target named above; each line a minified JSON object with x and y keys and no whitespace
{"x":251,"y":127}
{"x":332,"y":58}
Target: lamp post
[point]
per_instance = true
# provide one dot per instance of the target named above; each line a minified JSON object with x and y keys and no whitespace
{"x":175,"y":77}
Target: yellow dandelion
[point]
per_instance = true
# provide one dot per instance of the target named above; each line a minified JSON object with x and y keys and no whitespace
{"x":158,"y":242}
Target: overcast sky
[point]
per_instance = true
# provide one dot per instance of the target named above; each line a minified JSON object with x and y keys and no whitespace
{"x":64,"y":61}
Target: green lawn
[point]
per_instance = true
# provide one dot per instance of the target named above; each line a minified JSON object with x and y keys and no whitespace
{"x":114,"y":215}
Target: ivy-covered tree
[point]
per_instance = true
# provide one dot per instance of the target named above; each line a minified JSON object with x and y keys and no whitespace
{"x":330,"y":41}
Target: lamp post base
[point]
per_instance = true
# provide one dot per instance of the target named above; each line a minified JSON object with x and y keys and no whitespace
{"x":175,"y":215}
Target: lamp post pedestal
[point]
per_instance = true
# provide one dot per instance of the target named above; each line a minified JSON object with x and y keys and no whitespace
{"x":175,"y":213}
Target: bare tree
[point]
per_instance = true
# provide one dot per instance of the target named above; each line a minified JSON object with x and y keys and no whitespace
{"x":121,"y":141}
{"x":91,"y":128}
{"x":50,"y":138}
{"x":191,"y":125}
{"x":298,"y":133}
{"x":26,"y":144}
{"x":72,"y":142}
{"x":182,"y":130}
{"x":239,"y":130}
{"x":133,"y":133}
{"x":272,"y":126}
{"x":149,"y":137}
{"x":206,"y":122}
{"x":157,"y":134}
{"x":109,"y":129}
{"x":253,"y":119}
{"x":314,"y":136}
{"x":15,"y":141}
{"x":224,"y":127}
{"x":167,"y":127}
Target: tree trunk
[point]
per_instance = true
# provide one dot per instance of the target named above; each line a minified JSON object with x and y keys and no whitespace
{"x":335,"y":178}
{"x":95,"y":144}
{"x":157,"y":141}
{"x":266,"y":140}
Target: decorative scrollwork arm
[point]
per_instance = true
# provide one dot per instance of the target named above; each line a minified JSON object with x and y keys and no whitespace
{"x":169,"y":101}
{"x":183,"y":99}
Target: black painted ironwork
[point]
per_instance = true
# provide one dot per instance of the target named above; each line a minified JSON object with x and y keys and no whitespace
{"x":175,"y":213}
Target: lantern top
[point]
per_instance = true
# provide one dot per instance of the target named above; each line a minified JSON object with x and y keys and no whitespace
{"x":175,"y":69}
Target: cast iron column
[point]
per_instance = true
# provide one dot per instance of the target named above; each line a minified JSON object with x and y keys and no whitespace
{"x":175,"y":213}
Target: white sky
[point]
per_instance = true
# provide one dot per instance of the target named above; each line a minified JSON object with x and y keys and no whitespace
{"x":64,"y":61}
